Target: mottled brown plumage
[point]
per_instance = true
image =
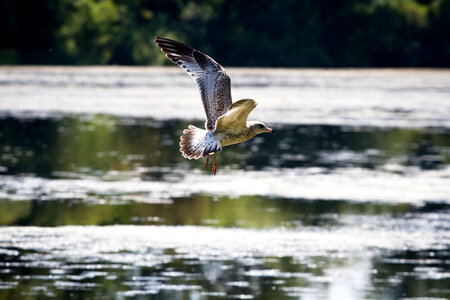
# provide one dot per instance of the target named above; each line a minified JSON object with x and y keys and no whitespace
{"x":211,"y":79}
{"x":226,"y":122}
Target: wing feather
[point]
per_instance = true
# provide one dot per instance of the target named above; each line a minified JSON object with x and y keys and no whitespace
{"x":236,"y":118}
{"x":211,"y":79}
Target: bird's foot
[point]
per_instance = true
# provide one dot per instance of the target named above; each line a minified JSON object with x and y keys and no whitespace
{"x":214,"y":167}
{"x":206,"y":162}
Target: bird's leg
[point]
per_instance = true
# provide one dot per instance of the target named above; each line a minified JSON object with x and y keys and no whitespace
{"x":206,"y":162}
{"x":214,"y":167}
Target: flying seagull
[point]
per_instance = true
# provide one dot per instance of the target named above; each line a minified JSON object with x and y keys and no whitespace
{"x":226,"y":122}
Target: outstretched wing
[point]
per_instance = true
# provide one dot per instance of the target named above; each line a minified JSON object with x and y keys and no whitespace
{"x":210,"y":77}
{"x":236,"y":118}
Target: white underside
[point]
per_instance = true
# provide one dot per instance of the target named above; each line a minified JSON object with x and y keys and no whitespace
{"x":212,"y":143}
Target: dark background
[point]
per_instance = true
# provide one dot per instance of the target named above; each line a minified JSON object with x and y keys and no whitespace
{"x":308,"y":33}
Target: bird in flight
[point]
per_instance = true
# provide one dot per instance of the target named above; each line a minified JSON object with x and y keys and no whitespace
{"x":226,"y":122}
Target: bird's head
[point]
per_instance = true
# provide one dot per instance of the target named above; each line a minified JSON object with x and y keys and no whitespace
{"x":259,"y":127}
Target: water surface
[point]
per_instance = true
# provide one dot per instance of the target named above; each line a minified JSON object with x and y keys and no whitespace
{"x":98,"y":203}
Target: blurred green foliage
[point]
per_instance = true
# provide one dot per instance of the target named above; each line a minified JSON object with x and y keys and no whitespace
{"x":289,"y":33}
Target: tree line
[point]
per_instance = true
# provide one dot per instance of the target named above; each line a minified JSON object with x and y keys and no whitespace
{"x":266,"y":33}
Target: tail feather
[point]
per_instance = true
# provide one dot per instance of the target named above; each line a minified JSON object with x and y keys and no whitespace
{"x":196,"y":143}
{"x":192,"y":142}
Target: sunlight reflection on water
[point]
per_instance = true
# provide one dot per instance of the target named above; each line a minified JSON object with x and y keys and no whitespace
{"x":349,"y":200}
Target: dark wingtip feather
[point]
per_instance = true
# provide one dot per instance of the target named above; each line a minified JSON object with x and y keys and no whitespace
{"x":174,"y":51}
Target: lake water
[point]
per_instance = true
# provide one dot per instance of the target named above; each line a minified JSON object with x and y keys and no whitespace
{"x":349,"y":200}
